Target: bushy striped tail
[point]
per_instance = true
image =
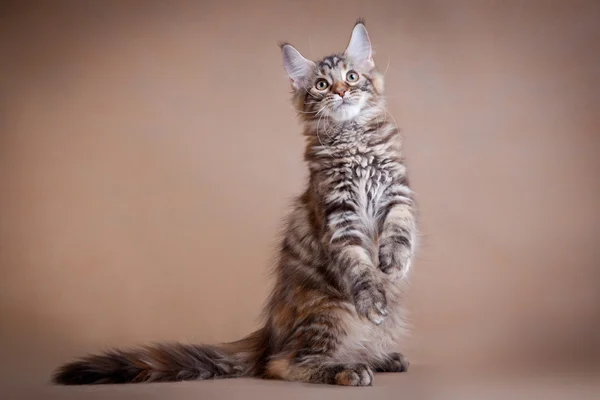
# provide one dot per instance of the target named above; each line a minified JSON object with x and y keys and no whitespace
{"x":164,"y":362}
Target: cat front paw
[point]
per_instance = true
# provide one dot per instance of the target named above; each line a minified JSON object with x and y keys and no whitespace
{"x":371,"y":303}
{"x":395,"y":362}
{"x":394,"y":256}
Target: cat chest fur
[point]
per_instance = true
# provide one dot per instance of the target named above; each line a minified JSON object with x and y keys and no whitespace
{"x":361,"y":181}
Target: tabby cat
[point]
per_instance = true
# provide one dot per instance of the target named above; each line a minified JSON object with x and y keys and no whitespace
{"x":335,"y":313}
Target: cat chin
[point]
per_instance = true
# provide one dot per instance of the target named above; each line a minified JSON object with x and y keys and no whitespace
{"x":345,"y":112}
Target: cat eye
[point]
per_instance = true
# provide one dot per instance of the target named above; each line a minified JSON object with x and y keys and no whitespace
{"x":322,"y":84}
{"x":352,"y":76}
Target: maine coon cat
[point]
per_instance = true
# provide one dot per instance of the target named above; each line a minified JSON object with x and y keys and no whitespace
{"x":335,"y":313}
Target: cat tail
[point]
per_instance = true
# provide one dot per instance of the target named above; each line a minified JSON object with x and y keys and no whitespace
{"x":167,"y":362}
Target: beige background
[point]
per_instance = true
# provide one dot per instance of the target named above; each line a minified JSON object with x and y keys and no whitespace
{"x":148,"y":155}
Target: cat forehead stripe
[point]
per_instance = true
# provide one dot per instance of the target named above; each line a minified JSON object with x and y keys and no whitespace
{"x":331,"y":61}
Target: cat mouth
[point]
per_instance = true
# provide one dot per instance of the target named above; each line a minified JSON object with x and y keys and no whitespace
{"x":344,"y":103}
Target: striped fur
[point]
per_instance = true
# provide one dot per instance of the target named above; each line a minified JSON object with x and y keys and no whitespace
{"x":335,"y":313}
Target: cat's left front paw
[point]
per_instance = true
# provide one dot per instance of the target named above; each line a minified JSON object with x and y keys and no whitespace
{"x":393,"y":257}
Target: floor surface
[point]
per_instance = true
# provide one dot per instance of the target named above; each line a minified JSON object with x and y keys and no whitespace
{"x":420,"y":383}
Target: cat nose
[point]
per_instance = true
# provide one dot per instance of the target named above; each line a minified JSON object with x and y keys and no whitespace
{"x":340,"y":89}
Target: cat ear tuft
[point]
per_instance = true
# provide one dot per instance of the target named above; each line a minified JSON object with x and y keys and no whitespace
{"x":359,"y":49}
{"x":298,"y":68}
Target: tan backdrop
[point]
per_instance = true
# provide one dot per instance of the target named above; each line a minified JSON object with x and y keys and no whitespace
{"x":148,"y":154}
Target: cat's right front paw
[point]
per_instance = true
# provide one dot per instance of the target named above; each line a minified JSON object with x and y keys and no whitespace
{"x":371,"y":304}
{"x":394,"y":362}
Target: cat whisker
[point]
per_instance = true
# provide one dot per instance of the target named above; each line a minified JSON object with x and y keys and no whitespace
{"x":387,"y":66}
{"x":326,"y":131}
{"x":312,"y":95}
{"x":302,"y":112}
{"x":393,"y":119}
{"x":317,"y":131}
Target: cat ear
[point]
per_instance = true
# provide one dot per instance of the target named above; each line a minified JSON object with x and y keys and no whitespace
{"x":298,"y":68}
{"x":359,"y":48}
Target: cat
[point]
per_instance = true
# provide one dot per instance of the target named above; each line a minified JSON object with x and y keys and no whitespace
{"x":335,"y":314}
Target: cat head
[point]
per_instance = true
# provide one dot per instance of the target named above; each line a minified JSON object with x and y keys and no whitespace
{"x":339,"y":87}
